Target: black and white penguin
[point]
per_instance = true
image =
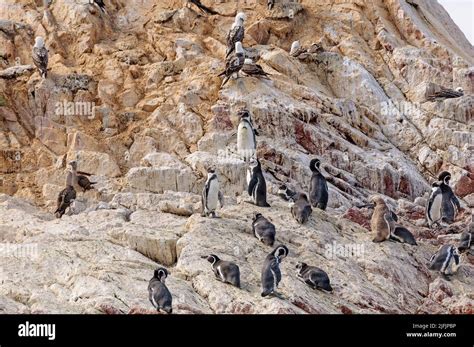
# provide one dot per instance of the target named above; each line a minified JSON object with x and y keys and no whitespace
{"x":318,"y":188}
{"x":225,"y":271}
{"x":301,"y":209}
{"x":263,"y":229}
{"x":313,"y":276}
{"x":442,"y":204}
{"x":286,"y":193}
{"x":159,"y":295}
{"x":65,"y":197}
{"x":270,"y":4}
{"x":246,"y":142}
{"x":257,"y":188}
{"x":397,"y":232}
{"x":99,"y":3}
{"x":446,"y":260}
{"x":211,"y":195}
{"x":236,"y":33}
{"x":271,"y":274}
{"x":40,"y":56}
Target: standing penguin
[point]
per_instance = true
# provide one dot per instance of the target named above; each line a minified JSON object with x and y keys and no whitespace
{"x":301,"y":209}
{"x":225,"y":271}
{"x":446,"y":260}
{"x":211,"y":195}
{"x":263,"y":229}
{"x":246,"y":143}
{"x":159,"y":295}
{"x":270,"y":4}
{"x":378,"y":223}
{"x":40,"y":56}
{"x":65,"y":197}
{"x":318,"y":188}
{"x":433,"y":207}
{"x":236,"y":33}
{"x":271,"y":274}
{"x":450,"y":204}
{"x":257,"y":186}
{"x":313,"y":276}
{"x":99,"y":3}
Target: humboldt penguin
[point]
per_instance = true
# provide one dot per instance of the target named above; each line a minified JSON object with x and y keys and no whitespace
{"x":318,"y":188}
{"x":159,"y":295}
{"x":397,"y":232}
{"x":313,"y":276}
{"x":203,"y":8}
{"x":271,"y":274}
{"x":65,"y":197}
{"x":257,"y":188}
{"x":446,"y":260}
{"x":450,"y":204}
{"x":378,"y":223}
{"x":301,"y":209}
{"x":270,"y":4}
{"x":211,"y":195}
{"x":246,"y":142}
{"x":99,"y":3}
{"x":234,"y":64}
{"x":40,"y":56}
{"x":433,"y":206}
{"x":80,"y":181}
{"x":263,"y":229}
{"x":286,"y":193}
{"x":225,"y":271}
{"x":236,"y":33}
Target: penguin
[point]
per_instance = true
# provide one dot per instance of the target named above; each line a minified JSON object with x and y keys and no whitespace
{"x":397,"y":232}
{"x":378,"y":223}
{"x":301,"y":209}
{"x":313,"y":276}
{"x":99,"y":3}
{"x":318,"y":189}
{"x":271,"y":274}
{"x":211,"y":195}
{"x":80,"y":181}
{"x":270,"y":4}
{"x":433,"y":206}
{"x":65,"y":197}
{"x":236,"y":33}
{"x":450,"y":204}
{"x":467,"y":239}
{"x":225,"y":271}
{"x":257,"y":188}
{"x":40,"y":56}
{"x":159,"y":295}
{"x":286,"y":193}
{"x":246,"y":142}
{"x":446,"y":260}
{"x":263,"y":229}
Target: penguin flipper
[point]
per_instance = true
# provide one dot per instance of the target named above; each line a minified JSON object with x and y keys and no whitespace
{"x":252,"y":184}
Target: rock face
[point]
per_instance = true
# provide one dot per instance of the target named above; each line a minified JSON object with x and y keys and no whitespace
{"x":134,"y":97}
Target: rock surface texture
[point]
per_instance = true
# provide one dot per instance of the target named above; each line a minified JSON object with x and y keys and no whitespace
{"x":133,"y":96}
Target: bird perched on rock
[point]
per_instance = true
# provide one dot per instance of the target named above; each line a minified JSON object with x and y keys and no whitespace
{"x":271,"y":274}
{"x":225,"y":271}
{"x":40,"y":56}
{"x":203,"y":8}
{"x":313,"y":276}
{"x":378,"y":222}
{"x":211,"y":195}
{"x":442,"y":205}
{"x":99,"y":3}
{"x":318,"y":188}
{"x":80,"y":181}
{"x":65,"y":197}
{"x":270,"y":4}
{"x":251,"y":69}
{"x":446,"y":260}
{"x":286,"y":193}
{"x":302,"y":53}
{"x":399,"y":233}
{"x":233,"y":65}
{"x":446,"y":93}
{"x":236,"y":33}
{"x":301,"y":209}
{"x":246,"y":142}
{"x":159,"y":295}
{"x":263,"y":229}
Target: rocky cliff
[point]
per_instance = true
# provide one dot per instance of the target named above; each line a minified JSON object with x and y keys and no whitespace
{"x":133,"y":96}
